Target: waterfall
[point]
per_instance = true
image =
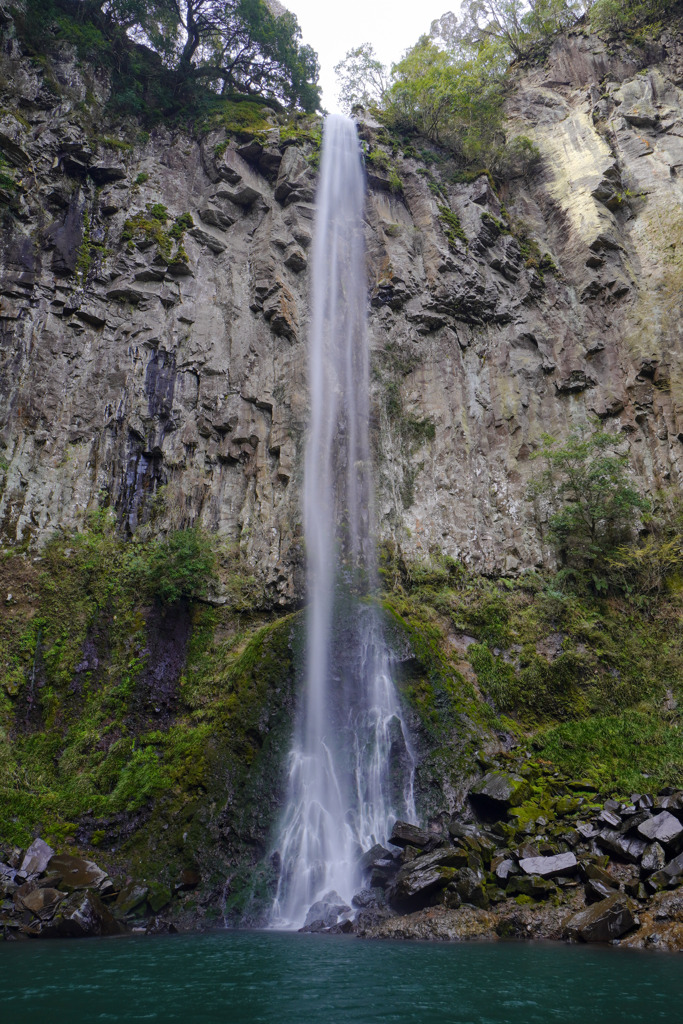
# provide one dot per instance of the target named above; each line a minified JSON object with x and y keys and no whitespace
{"x":350,"y":767}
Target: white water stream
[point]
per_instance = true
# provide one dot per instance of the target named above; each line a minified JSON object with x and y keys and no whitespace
{"x":351,"y":768}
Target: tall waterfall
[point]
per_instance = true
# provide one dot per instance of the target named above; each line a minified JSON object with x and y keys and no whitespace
{"x":351,"y":769}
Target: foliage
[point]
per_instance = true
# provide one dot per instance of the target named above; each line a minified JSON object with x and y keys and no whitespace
{"x":521,"y":26}
{"x":614,"y":15}
{"x":193,"y":51}
{"x":363,"y":79}
{"x":592,"y":503}
{"x":181,"y":565}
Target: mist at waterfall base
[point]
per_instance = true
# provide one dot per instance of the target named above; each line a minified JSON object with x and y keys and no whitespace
{"x":351,"y":767}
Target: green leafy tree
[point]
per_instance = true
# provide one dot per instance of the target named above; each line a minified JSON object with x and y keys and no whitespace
{"x":593,"y":504}
{"x":519,"y":25}
{"x":615,"y":15}
{"x":182,"y":565}
{"x":363,"y":79}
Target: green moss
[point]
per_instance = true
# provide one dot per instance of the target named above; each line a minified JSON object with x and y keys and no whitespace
{"x":150,"y":228}
{"x":142,"y":178}
{"x":452,"y":227}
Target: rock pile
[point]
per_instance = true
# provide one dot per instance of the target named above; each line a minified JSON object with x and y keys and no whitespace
{"x":566,"y":865}
{"x":58,"y":895}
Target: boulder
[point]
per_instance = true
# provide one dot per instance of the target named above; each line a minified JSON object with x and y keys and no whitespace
{"x":654,"y":859}
{"x":404,"y":834}
{"x":37,"y":858}
{"x":663,"y":828}
{"x":377,"y":854}
{"x":603,"y":921}
{"x":78,"y":873}
{"x":419,"y":878}
{"x":627,"y":849}
{"x":497,"y":792}
{"x":546,"y":867}
{"x":43,"y":902}
{"x":597,"y":890}
{"x":82,"y":915}
{"x":326,"y":912}
{"x":530,"y":885}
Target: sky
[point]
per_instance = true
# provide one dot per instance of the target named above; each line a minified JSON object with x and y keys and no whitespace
{"x":333,"y":28}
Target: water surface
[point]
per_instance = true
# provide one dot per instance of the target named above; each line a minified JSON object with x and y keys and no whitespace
{"x":280,"y":978}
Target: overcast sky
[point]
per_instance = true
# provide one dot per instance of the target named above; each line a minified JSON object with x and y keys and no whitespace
{"x":334,"y":28}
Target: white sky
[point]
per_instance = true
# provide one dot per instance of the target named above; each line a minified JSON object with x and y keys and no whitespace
{"x":333,"y":28}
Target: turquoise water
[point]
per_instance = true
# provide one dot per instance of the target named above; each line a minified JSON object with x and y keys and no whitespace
{"x":279,"y":978}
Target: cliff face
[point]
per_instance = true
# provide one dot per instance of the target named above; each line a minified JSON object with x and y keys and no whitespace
{"x":158,"y":360}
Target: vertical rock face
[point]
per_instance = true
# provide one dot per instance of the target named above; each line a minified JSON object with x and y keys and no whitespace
{"x":157,"y":359}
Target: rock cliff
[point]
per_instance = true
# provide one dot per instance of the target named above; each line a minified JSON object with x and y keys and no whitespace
{"x":154,"y":310}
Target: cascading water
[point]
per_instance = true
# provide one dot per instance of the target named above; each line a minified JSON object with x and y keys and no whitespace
{"x":351,"y":769}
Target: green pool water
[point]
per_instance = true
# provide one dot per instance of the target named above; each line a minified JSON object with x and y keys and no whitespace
{"x":281,"y":978}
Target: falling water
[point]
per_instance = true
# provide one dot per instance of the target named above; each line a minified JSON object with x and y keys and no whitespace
{"x":351,"y":769}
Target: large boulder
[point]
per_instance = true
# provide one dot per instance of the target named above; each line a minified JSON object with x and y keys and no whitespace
{"x":418,"y":879}
{"x":547,"y":867}
{"x":82,"y":915}
{"x":326,"y":913}
{"x":663,"y":828}
{"x":404,"y":834}
{"x":37,"y":858}
{"x":494,"y":795}
{"x":603,"y":921}
{"x":79,"y":873}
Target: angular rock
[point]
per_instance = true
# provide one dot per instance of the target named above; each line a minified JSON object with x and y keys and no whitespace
{"x":530,"y":885}
{"x":43,"y":902}
{"x":597,"y":890}
{"x":326,"y":912}
{"x":405,"y":834}
{"x":417,"y":879}
{"x":377,"y":854}
{"x":653,"y":859}
{"x":497,"y":792}
{"x":628,"y":849}
{"x":82,"y":915}
{"x":663,"y":828}
{"x":104,"y":173}
{"x":78,"y":873}
{"x":37,"y":858}
{"x":603,"y":921}
{"x":546,"y":867}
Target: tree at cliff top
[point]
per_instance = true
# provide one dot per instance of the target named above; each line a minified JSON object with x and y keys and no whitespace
{"x":233,"y":46}
{"x":363,"y":79}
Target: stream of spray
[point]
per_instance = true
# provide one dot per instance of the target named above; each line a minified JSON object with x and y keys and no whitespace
{"x":350,"y":769}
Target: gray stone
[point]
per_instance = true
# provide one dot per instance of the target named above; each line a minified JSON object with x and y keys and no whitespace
{"x":606,"y":920}
{"x":405,"y":834}
{"x":82,"y":915}
{"x":653,"y":858}
{"x":497,"y":792}
{"x":37,"y":858}
{"x":663,"y":828}
{"x":547,"y":867}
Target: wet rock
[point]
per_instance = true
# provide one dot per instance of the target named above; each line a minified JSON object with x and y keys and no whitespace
{"x":366,"y":899}
{"x":43,"y":902}
{"x":418,"y":879}
{"x":653,"y":859}
{"x":325,"y":913}
{"x":131,"y":900}
{"x":547,"y":867}
{"x":377,"y":854}
{"x":405,"y":834}
{"x":497,"y":792}
{"x":530,"y":885}
{"x":82,"y":915}
{"x":663,"y":828}
{"x":37,"y":858}
{"x":628,"y":849}
{"x":597,"y":890}
{"x":608,"y":919}
{"x":78,"y":873}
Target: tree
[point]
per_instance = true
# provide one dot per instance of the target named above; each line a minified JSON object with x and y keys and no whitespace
{"x":363,"y":79}
{"x":247,"y":46}
{"x":520,"y":25}
{"x":592,"y":503}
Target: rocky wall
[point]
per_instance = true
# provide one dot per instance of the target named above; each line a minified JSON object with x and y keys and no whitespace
{"x":154,"y":311}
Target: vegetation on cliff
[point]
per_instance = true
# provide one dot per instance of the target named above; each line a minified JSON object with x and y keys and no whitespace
{"x":450,"y":87}
{"x":170,"y":57}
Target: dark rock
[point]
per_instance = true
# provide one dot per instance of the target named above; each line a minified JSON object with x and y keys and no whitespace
{"x":503,"y":868}
{"x":82,"y":915}
{"x":597,"y":890}
{"x":653,"y":859}
{"x":497,"y":792}
{"x":78,"y":873}
{"x":546,"y":867}
{"x":610,"y":818}
{"x":366,"y":899}
{"x":103,"y":173}
{"x":131,"y":900}
{"x":377,"y":854}
{"x":405,"y":834}
{"x":627,"y":849}
{"x":43,"y":902}
{"x":189,"y":879}
{"x":37,"y":858}
{"x":598,"y":874}
{"x":603,"y":921}
{"x":326,"y":912}
{"x":673,"y":802}
{"x":459,"y":830}
{"x":468,"y":885}
{"x":530,"y":885}
{"x":587,"y":829}
{"x":663,"y":828}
